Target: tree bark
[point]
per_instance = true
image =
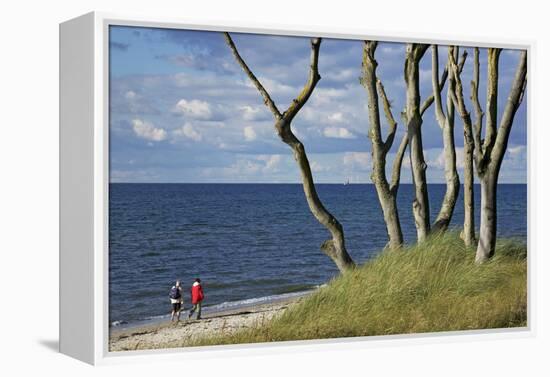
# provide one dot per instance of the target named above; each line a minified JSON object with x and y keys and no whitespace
{"x":468,"y":232}
{"x":488,"y":218}
{"x":446,"y":123}
{"x":335,"y":248}
{"x":380,"y":148}
{"x":421,"y":206}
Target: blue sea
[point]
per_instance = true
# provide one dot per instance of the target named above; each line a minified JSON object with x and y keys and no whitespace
{"x":250,"y":243}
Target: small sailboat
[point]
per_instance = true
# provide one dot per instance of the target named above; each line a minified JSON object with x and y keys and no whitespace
{"x":346,"y":182}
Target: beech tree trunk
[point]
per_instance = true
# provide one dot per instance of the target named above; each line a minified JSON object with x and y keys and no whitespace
{"x":421,"y":206}
{"x":488,"y":218}
{"x":446,"y":123}
{"x":335,"y":247}
{"x":380,"y":148}
{"x":468,"y":232}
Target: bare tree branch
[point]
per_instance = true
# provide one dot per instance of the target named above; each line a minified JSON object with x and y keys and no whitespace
{"x":458,"y":95}
{"x":389,"y":117}
{"x":397,"y":163}
{"x":474,"y":97}
{"x":267,"y":99}
{"x":313,"y":78}
{"x":439,"y":115}
{"x":493,"y":55}
{"x":428,"y":102}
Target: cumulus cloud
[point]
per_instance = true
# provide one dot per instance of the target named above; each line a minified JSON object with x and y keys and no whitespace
{"x":333,"y":122}
{"x":252,"y":113}
{"x":317,"y":167}
{"x":272,"y":162}
{"x":359,"y":160}
{"x":516,"y":150}
{"x":393,"y":48}
{"x":516,"y":158}
{"x":195,"y":109}
{"x":323,"y":96}
{"x":341,"y":75}
{"x":338,"y":133}
{"x":148,"y":131}
{"x":249,"y":133}
{"x":439,"y":161}
{"x":336,"y":117}
{"x":275,"y":87}
{"x":188,"y":132}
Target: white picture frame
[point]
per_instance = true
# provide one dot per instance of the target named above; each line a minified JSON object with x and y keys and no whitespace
{"x":84,"y":178}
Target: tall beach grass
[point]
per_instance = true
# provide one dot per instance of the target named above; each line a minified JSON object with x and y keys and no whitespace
{"x":431,"y":287}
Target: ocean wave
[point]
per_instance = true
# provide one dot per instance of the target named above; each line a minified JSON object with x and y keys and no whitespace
{"x":118,"y":323}
{"x":256,"y":300}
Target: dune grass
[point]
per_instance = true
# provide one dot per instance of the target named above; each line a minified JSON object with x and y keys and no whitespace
{"x":430,"y":287}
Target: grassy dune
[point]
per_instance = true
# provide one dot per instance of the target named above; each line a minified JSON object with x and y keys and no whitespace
{"x":431,"y":287}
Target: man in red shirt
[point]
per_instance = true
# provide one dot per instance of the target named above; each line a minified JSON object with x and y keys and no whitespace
{"x":197,"y":296}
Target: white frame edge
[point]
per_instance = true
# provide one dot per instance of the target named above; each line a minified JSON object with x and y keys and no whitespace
{"x":91,"y":344}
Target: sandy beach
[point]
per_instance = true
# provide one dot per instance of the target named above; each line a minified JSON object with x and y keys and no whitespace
{"x":170,"y":334}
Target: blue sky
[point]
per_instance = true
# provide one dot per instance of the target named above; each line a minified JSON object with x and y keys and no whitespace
{"x":182,"y":110}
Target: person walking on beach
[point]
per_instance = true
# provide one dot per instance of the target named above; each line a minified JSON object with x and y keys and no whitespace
{"x":176,"y":300}
{"x":197,"y":296}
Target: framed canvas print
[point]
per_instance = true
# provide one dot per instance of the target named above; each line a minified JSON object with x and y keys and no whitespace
{"x":232,"y":186}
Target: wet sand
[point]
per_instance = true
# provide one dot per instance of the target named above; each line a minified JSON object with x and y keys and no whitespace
{"x":171,"y":334}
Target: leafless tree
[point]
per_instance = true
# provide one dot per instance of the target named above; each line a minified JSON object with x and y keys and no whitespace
{"x":468,"y":232}
{"x":489,"y":153}
{"x":335,"y":247}
{"x":446,"y":122}
{"x":387,"y":192}
{"x":413,"y":120}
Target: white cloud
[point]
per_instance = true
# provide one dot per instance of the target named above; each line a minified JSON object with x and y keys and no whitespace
{"x":516,"y":158}
{"x":272,"y":162}
{"x":316,"y":167}
{"x":189,"y":132}
{"x":130,"y":95}
{"x":251,"y":113}
{"x":274,"y":86}
{"x":338,"y":133}
{"x":360,"y":160}
{"x":439,"y":161}
{"x":341,"y":75}
{"x":195,"y":108}
{"x":517,"y":150}
{"x":249,"y":133}
{"x":146,"y":130}
{"x":337,"y":117}
{"x":323,"y":96}
{"x":393,"y":49}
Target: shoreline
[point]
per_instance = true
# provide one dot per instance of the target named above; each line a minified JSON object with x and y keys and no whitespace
{"x":168,"y":334}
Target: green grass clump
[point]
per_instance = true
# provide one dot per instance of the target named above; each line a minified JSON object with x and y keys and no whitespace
{"x":434,"y":286}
